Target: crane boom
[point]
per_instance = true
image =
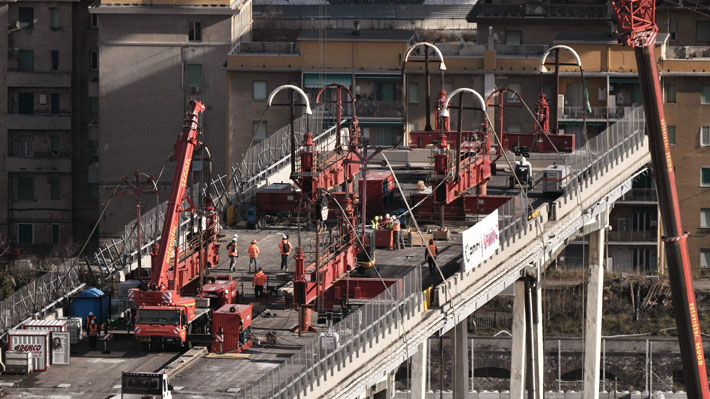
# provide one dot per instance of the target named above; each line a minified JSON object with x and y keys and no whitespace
{"x":637,"y":28}
{"x":184,"y":148}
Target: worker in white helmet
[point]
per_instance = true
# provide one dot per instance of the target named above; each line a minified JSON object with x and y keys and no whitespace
{"x":233,"y":253}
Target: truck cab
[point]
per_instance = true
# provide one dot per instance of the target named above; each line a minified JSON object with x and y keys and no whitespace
{"x":139,"y":385}
{"x":167,"y":322}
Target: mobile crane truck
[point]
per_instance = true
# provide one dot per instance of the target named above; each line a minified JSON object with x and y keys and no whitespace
{"x":638,"y":29}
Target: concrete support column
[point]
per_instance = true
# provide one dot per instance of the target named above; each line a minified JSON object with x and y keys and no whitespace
{"x":537,"y":351}
{"x":418,"y":377}
{"x":593,"y":320}
{"x":518,"y":365}
{"x":461,"y":360}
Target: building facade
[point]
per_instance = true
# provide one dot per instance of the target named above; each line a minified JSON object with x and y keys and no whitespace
{"x":44,"y":117}
{"x":154,"y":58}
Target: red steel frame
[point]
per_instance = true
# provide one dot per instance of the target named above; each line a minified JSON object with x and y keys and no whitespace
{"x":638,"y":29}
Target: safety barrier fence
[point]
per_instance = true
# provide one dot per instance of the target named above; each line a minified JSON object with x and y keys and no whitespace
{"x":332,"y":350}
{"x":39,"y":293}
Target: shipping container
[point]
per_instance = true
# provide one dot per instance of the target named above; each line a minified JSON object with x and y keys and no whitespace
{"x":277,"y":197}
{"x":33,"y":341}
{"x":230,"y":324}
{"x":380,"y":191}
{"x":51,"y":325}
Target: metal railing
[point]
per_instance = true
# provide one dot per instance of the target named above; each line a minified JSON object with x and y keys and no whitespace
{"x":687,"y":52}
{"x":650,"y":236}
{"x":39,"y":293}
{"x":640,"y":195}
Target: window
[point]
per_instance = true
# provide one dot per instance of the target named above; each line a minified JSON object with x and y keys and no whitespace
{"x":25,"y":103}
{"x":54,"y":144}
{"x":94,"y":60}
{"x":513,"y":37}
{"x":259,"y":90}
{"x":413,"y":93}
{"x":94,"y":105}
{"x":194,"y":74}
{"x":705,"y":218}
{"x":705,"y":136}
{"x":54,"y":188}
{"x":514,"y":128}
{"x":704,"y":257}
{"x":705,"y":95}
{"x":26,"y":61}
{"x":55,"y":233}
{"x":94,"y":21}
{"x":673,"y":30}
{"x":702,"y":31}
{"x":42,"y":99}
{"x":54,"y":18}
{"x":55,"y":60}
{"x":27,"y":17}
{"x":25,"y":188}
{"x":55,"y":103}
{"x":670,"y":94}
{"x":24,"y":145}
{"x":194,"y":32}
{"x":510,"y":97}
{"x":260,"y":130}
{"x":25,"y":233}
{"x":671,"y":134}
{"x":705,"y":177}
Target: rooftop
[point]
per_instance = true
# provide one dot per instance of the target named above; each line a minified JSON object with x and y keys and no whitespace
{"x":532,"y":12}
{"x":384,"y":35}
{"x":364,"y":11}
{"x":173,"y":4}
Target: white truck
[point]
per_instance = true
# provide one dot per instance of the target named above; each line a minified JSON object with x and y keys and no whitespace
{"x":140,"y":385}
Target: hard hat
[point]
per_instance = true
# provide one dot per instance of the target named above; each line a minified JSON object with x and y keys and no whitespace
{"x":91,"y":313}
{"x":396,"y":221}
{"x":284,"y":236}
{"x":253,"y":241}
{"x":387,"y":216}
{"x":235,"y":237}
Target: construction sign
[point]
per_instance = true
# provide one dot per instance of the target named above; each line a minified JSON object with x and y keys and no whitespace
{"x":480,"y":241}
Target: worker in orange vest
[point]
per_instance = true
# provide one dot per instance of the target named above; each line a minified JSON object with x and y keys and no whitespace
{"x":398,"y":239}
{"x":93,"y":332}
{"x":253,"y":254}
{"x":88,"y":320}
{"x":233,"y":253}
{"x":285,"y":248}
{"x":430,"y":255}
{"x":258,"y":283}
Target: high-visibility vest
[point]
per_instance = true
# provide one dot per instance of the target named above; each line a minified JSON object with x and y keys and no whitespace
{"x":253,"y":251}
{"x":432,"y":249}
{"x":281,"y":247}
{"x":374,"y":224}
{"x":397,"y":227}
{"x":93,"y":330}
{"x":232,"y":248}
{"x":389,"y":224}
{"x":259,"y":279}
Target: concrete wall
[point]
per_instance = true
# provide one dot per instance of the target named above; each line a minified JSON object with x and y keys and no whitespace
{"x":144,"y":95}
{"x":4,"y":192}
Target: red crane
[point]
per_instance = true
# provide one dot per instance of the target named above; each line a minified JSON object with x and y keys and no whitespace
{"x":162,"y":311}
{"x":637,"y":28}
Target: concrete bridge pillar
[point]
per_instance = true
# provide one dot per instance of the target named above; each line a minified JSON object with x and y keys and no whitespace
{"x":419,"y":371}
{"x":593,"y":320}
{"x":527,"y":354}
{"x":535,"y":332}
{"x":461,"y":360}
{"x":518,"y":349}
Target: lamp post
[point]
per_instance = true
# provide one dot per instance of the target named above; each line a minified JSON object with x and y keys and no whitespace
{"x":578,"y":63}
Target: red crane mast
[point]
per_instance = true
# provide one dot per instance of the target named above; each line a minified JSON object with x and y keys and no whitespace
{"x":637,"y":28}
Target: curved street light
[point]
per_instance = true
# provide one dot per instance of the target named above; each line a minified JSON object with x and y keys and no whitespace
{"x":543,"y":69}
{"x":442,"y":68}
{"x":292,"y":104}
{"x":476,"y":95}
{"x":294,"y":88}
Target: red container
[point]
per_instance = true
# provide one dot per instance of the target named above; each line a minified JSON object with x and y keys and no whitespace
{"x":34,"y":341}
{"x":380,"y":184}
{"x":277,"y":197}
{"x":229,"y":323}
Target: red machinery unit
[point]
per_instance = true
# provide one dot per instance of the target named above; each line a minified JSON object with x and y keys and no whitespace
{"x":277,"y":198}
{"x":221,"y":290}
{"x":231,"y":325}
{"x":380,"y":190}
{"x":162,"y":312}
{"x":637,"y":28}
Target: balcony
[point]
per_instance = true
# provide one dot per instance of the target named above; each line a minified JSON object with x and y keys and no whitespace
{"x":37,"y":164}
{"x":640,"y":196}
{"x":649,"y":236}
{"x":39,"y":122}
{"x":540,"y":10}
{"x":246,"y":48}
{"x":687,"y":52}
{"x":577,"y":111}
{"x":378,"y":109}
{"x":39,"y":79}
{"x":472,"y":50}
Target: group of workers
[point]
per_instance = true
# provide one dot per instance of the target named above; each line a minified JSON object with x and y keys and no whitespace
{"x":390,"y":223}
{"x":93,"y":329}
{"x":259,"y":280}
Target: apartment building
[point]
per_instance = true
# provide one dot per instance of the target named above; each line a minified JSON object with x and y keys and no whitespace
{"x":155,"y":56}
{"x":46,"y":67}
{"x":510,"y":40}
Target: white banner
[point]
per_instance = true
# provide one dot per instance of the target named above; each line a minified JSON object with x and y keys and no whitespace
{"x":480,"y":241}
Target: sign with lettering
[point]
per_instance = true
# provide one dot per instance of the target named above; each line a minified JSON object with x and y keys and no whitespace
{"x":480,"y":241}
